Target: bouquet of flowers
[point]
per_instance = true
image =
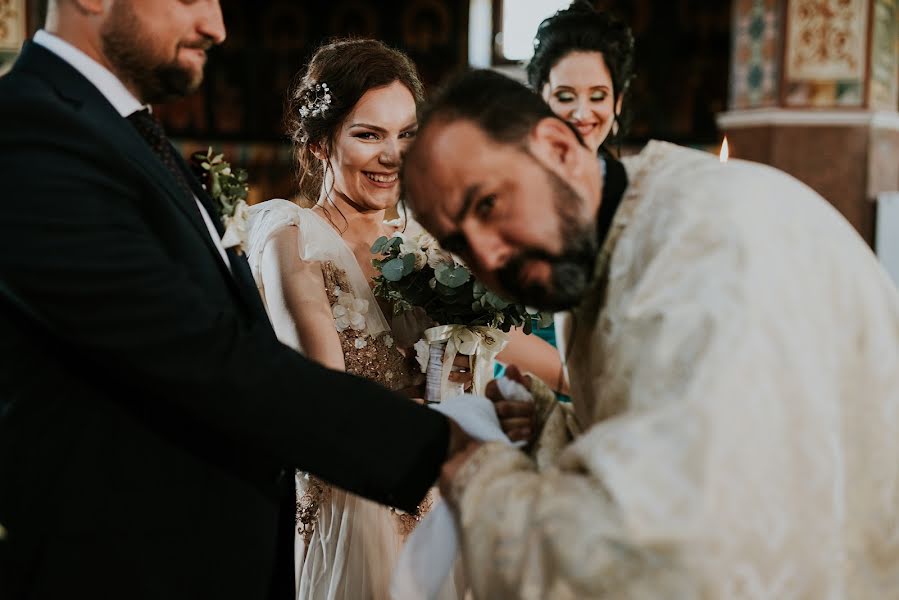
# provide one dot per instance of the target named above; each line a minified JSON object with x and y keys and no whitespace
{"x":418,"y":277}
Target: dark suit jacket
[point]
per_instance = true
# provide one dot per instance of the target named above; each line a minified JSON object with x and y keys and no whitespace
{"x":149,"y":415}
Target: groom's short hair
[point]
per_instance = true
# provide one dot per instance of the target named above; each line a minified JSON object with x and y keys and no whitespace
{"x":506,"y":110}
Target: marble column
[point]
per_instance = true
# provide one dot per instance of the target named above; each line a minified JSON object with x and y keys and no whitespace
{"x":814,"y":91}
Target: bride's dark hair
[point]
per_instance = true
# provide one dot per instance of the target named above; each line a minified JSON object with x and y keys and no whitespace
{"x":581,"y":28}
{"x":350,"y":68}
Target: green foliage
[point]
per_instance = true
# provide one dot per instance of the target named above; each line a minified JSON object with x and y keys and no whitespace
{"x":225,"y":185}
{"x":448,"y":293}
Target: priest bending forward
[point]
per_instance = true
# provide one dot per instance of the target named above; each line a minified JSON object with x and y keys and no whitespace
{"x":733,"y":347}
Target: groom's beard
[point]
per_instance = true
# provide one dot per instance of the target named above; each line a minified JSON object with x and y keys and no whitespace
{"x":571,"y":270}
{"x":137,"y":61}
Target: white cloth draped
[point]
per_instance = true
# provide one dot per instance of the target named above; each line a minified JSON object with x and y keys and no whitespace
{"x":428,"y":557}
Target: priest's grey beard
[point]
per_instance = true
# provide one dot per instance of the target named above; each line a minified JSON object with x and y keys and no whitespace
{"x":572,"y":270}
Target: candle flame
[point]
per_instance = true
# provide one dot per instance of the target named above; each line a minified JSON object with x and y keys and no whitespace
{"x":725,"y":152}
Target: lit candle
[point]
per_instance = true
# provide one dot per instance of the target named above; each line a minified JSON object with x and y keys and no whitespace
{"x":725,"y":153}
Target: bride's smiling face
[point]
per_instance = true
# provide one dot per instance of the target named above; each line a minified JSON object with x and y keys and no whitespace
{"x":368,"y":147}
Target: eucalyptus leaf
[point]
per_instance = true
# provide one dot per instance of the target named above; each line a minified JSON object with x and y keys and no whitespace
{"x":408,"y":264}
{"x":379,"y":245}
{"x":495,"y":301}
{"x":452,"y":276}
{"x":528,"y":326}
{"x":392,"y":270}
{"x":545,"y":319}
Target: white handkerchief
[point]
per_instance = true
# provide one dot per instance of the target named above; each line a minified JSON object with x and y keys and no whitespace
{"x":428,"y":555}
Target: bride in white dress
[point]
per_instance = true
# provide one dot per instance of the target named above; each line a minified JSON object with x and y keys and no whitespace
{"x":351,"y":116}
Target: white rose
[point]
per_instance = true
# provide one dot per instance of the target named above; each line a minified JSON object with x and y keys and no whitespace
{"x":360,"y":343}
{"x":236,"y":227}
{"x":357,"y":321}
{"x":421,"y":259}
{"x":466,"y":341}
{"x":338,"y":311}
{"x":360,"y":306}
{"x":342,"y":323}
{"x":437,"y":257}
{"x":346,"y":300}
{"x":426,"y":241}
{"x":411,"y":247}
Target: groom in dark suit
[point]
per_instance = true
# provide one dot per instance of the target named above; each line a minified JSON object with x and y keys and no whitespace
{"x":150,"y":421}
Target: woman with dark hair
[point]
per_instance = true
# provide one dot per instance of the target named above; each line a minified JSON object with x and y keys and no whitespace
{"x":351,"y":114}
{"x":582,"y":67}
{"x":583,"y":64}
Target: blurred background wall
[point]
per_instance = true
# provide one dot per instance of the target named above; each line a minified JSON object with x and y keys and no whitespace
{"x":809,"y":86}
{"x":682,"y":64}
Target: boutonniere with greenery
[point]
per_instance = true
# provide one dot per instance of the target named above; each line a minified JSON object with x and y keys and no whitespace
{"x":228,"y":188}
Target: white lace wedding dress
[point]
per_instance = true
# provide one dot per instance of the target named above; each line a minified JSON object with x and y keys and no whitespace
{"x":346,"y":546}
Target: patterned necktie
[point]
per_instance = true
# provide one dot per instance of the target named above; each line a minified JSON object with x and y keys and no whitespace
{"x":151,"y":130}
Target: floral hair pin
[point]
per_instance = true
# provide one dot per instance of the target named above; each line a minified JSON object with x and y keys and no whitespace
{"x":318,"y":99}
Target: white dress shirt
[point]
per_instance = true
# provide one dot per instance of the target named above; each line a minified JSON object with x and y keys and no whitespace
{"x":117,"y":95}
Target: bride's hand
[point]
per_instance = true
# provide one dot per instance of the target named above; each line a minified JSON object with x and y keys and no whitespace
{"x":517,"y":419}
{"x":461,"y":372}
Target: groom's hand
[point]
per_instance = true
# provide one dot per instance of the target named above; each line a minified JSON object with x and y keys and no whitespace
{"x":517,"y":419}
{"x":458,"y":440}
{"x":455,"y":460}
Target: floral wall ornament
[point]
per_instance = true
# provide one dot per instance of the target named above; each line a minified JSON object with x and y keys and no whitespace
{"x":12,"y":25}
{"x":825,"y":53}
{"x":13,"y":31}
{"x":756,"y":55}
{"x":826,"y":39}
